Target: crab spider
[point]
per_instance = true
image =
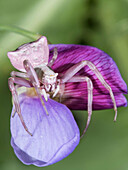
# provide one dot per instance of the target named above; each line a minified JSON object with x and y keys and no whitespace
{"x":45,"y":80}
{"x":37,"y":73}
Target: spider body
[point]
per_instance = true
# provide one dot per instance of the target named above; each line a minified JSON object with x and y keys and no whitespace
{"x":47,"y":78}
{"x":54,"y":76}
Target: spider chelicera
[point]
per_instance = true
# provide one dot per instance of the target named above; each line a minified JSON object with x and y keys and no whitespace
{"x":32,"y":60}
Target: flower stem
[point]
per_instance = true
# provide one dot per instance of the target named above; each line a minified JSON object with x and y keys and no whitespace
{"x":21,"y":31}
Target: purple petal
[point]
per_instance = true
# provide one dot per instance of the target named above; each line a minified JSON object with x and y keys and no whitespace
{"x":54,"y":136}
{"x":69,"y":55}
{"x":99,"y":102}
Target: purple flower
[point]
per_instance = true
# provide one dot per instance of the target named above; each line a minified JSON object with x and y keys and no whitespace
{"x":83,"y":77}
{"x":55,"y":135}
{"x":75,"y":95}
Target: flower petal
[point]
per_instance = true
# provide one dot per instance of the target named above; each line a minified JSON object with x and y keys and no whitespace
{"x":69,"y":55}
{"x":54,"y":136}
{"x":79,"y":102}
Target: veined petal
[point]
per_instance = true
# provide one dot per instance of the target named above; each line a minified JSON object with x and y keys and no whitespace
{"x":69,"y":55}
{"x":54,"y":136}
{"x":79,"y":102}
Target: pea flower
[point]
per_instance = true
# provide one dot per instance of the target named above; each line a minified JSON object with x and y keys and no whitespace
{"x":75,"y":95}
{"x":81,"y":77}
{"x":54,"y":136}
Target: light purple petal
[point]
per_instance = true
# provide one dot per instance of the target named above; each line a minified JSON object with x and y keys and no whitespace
{"x":75,"y":93}
{"x":54,"y":136}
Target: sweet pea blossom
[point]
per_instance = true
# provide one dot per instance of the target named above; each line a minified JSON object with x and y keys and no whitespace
{"x":75,"y":95}
{"x":80,"y":77}
{"x":54,"y":136}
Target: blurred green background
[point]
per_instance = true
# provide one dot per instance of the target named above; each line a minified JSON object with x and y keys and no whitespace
{"x":100,"y":23}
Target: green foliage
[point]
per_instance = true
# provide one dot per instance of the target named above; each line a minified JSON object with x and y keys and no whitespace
{"x":99,"y":23}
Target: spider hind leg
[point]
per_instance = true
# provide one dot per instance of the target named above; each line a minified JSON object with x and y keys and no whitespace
{"x":90,"y":96}
{"x":17,"y":108}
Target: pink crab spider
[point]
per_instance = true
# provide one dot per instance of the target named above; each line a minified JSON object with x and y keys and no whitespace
{"x":32,"y":60}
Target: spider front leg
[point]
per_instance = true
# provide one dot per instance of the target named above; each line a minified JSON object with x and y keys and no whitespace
{"x":34,"y":80}
{"x":55,"y":54}
{"x":18,"y":74}
{"x":12,"y":88}
{"x":25,"y":83}
{"x":57,"y":88}
{"x":77,"y":67}
{"x":90,"y":96}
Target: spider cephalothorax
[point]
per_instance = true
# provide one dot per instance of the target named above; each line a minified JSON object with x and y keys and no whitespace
{"x":49,"y":79}
{"x":49,"y":83}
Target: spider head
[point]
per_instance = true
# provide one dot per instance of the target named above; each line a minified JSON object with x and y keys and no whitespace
{"x":50,"y":79}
